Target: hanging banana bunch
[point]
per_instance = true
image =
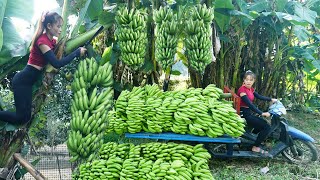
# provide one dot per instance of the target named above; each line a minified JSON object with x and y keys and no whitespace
{"x":198,"y":40}
{"x":131,"y":34}
{"x":166,"y":36}
{"x":92,"y":98}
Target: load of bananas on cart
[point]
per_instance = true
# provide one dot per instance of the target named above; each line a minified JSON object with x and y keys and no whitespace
{"x":198,"y":111}
{"x":153,"y":160}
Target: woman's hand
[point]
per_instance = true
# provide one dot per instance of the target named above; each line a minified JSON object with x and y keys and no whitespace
{"x":266,"y":114}
{"x":274,"y":100}
{"x":83,"y":51}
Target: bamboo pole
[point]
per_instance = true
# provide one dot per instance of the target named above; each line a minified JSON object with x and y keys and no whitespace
{"x":35,"y":173}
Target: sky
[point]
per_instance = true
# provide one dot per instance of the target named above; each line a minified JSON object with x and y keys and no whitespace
{"x":43,"y":5}
{"x":24,"y":28}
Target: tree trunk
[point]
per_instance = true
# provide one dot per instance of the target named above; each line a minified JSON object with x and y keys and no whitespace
{"x":195,"y":78}
{"x":12,"y":141}
{"x":154,"y":76}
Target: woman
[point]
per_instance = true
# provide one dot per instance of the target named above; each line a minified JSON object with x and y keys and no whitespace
{"x":41,"y":53}
{"x":247,"y":94}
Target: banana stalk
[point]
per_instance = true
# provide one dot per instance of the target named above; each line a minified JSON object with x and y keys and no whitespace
{"x":72,"y":44}
{"x":65,"y":14}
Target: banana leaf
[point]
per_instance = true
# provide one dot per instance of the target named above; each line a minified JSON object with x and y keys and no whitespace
{"x":11,"y":44}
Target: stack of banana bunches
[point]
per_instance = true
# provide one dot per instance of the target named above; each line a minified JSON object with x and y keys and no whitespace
{"x":150,"y":161}
{"x":92,"y":99}
{"x":202,"y":112}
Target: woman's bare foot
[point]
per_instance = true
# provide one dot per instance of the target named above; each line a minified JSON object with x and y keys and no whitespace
{"x":259,"y":150}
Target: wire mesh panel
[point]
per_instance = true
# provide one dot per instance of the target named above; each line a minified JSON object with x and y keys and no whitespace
{"x":53,"y":162}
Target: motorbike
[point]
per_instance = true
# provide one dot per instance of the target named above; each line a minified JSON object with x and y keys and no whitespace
{"x":295,"y":145}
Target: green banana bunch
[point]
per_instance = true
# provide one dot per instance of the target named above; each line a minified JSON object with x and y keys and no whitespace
{"x":166,"y":36}
{"x":89,"y":74}
{"x":194,"y":111}
{"x":163,"y":14}
{"x":101,"y":169}
{"x":148,"y":161}
{"x":201,"y":12}
{"x":198,"y":41}
{"x":92,"y":97}
{"x":131,"y":34}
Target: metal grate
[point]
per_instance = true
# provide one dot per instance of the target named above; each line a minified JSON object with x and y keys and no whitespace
{"x":54,"y":163}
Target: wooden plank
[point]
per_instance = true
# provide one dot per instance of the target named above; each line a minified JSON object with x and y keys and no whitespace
{"x":29,"y":167}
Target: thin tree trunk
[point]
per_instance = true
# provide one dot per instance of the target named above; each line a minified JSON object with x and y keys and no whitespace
{"x":237,"y":61}
{"x":65,"y":15}
{"x":221,"y":66}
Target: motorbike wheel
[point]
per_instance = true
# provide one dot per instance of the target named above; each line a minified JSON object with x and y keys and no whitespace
{"x":302,"y":152}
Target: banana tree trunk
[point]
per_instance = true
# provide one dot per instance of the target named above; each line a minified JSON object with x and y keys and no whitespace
{"x":195,"y":78}
{"x":11,"y":142}
{"x":131,"y":4}
{"x":154,"y":76}
{"x":221,"y":66}
{"x":237,"y":62}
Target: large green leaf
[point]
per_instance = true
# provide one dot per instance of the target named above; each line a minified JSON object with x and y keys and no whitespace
{"x":242,"y":6}
{"x":305,"y":13}
{"x":3,"y":5}
{"x":312,"y":4}
{"x":316,"y":64}
{"x":239,"y":13}
{"x":82,"y":14}
{"x":95,"y":9}
{"x":280,"y":5}
{"x":260,"y":6}
{"x":301,"y":33}
{"x":293,"y":19}
{"x":221,"y":13}
{"x":316,"y":7}
{"x":15,"y":64}
{"x":20,"y":9}
{"x":1,"y":38}
{"x":106,"y":18}
{"x":246,"y":16}
{"x":254,"y":14}
{"x":304,"y":53}
{"x":13,"y":44}
{"x":175,"y":72}
{"x":317,"y":23}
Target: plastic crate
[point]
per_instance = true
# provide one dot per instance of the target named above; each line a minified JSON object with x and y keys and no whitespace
{"x":234,"y":97}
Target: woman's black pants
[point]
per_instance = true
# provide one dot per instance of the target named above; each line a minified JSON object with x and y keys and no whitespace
{"x":259,"y":124}
{"x":22,"y":89}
